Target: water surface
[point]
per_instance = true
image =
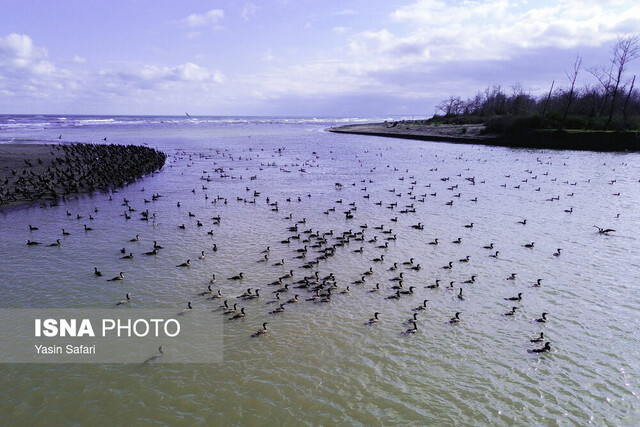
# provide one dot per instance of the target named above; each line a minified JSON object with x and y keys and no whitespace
{"x":320,"y":364}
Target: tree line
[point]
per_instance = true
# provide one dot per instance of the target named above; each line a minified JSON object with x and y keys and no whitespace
{"x":611,"y":103}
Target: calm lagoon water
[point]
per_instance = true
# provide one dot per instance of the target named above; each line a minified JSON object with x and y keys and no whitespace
{"x":319,"y":363}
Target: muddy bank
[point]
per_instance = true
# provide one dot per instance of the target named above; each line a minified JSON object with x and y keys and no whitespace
{"x":473,"y":134}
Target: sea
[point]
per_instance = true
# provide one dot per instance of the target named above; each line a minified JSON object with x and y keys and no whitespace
{"x":525,"y":222}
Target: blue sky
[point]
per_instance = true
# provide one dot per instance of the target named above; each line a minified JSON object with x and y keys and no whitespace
{"x":288,"y":57}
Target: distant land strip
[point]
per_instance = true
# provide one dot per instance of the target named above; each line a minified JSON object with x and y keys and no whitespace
{"x":31,"y":173}
{"x":605,"y":141}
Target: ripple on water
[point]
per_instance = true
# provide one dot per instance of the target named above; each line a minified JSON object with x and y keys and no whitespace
{"x":319,"y":364}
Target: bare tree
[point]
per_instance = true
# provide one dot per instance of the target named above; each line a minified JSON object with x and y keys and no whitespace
{"x":625,"y":50}
{"x":603,"y":75}
{"x":626,"y":101}
{"x":452,"y":106}
{"x":546,"y":104}
{"x":570,"y":97}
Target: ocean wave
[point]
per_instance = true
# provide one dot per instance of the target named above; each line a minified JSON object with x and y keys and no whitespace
{"x":35,"y":122}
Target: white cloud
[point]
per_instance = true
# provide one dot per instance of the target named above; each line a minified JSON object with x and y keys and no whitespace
{"x":18,"y":54}
{"x":497,"y":29}
{"x":248,"y":11}
{"x":79,"y":59}
{"x":211,"y":17}
{"x":148,"y":76}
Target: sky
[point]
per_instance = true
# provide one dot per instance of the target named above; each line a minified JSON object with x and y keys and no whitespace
{"x":293,"y":57}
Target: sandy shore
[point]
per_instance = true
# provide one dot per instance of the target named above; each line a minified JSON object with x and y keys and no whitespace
{"x":472,"y":134}
{"x":417,"y":130}
{"x":32,"y":173}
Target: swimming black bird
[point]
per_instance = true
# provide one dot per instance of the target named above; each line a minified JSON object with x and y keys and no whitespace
{"x":57,"y":243}
{"x":472,"y":280}
{"x":537,"y":284}
{"x":460,"y":297}
{"x":155,"y":356}
{"x":455,"y":319}
{"x":373,"y":320}
{"x":517,"y":298}
{"x":434,"y":286}
{"x":153,"y":252}
{"x":397,"y":278}
{"x":546,"y":348}
{"x":217,"y":295}
{"x":185,"y":264}
{"x":238,"y":315}
{"x":408,"y":292}
{"x":130,"y":256}
{"x":96,"y":272}
{"x":359,"y":281}
{"x":557,"y":254}
{"x":528,"y":245}
{"x":542,"y":319}
{"x":512,"y":312}
{"x":135,"y":239}
{"x":186,"y":310}
{"x":127,"y":300}
{"x":283,"y":289}
{"x":32,"y":243}
{"x":207,"y":292}
{"x":261,"y":331}
{"x":231,"y":310}
{"x":411,"y":321}
{"x":538,"y":339}
{"x":237,"y":277}
{"x":411,"y":330}
{"x":394,"y":296}
{"x":278,"y":310}
{"x":119,"y":277}
{"x":246,"y":294}
{"x":421,"y":307}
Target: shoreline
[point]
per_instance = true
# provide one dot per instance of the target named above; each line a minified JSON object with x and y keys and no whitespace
{"x":40,"y":173}
{"x":472,"y":134}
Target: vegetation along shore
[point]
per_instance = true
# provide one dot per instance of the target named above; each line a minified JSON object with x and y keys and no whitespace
{"x":32,"y":173}
{"x":604,"y":116}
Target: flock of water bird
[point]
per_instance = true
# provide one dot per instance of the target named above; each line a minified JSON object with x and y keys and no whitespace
{"x":78,"y":168}
{"x":304,"y":252}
